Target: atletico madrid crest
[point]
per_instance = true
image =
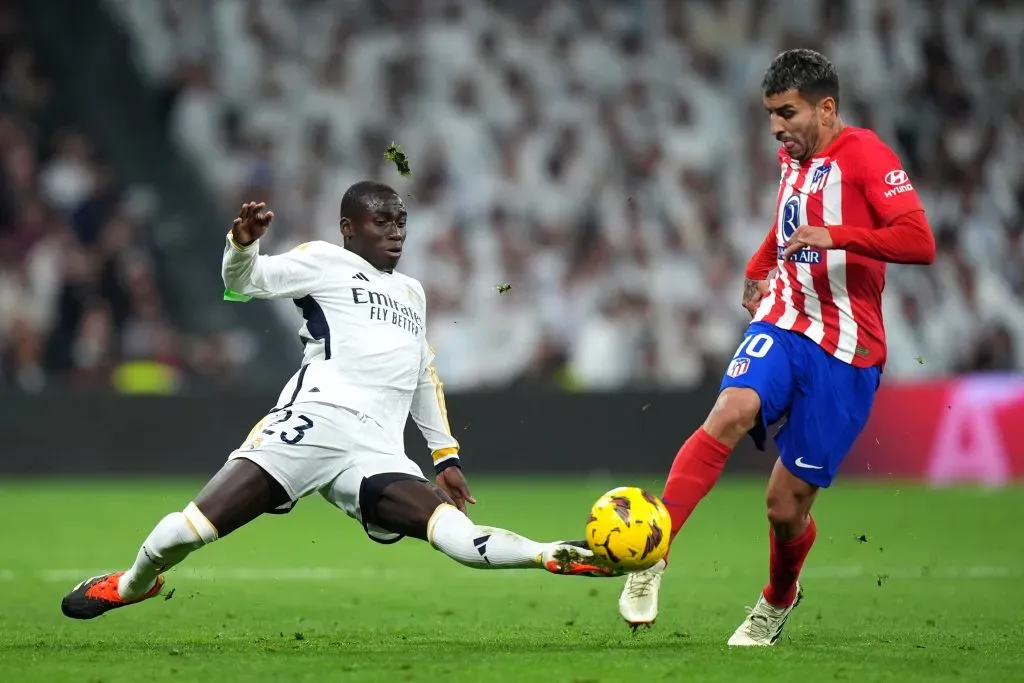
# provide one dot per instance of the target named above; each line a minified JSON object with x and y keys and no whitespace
{"x":820,"y":178}
{"x":738,"y":366}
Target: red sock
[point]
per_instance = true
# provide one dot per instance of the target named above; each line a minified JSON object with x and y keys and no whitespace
{"x":786,"y":559}
{"x":694,"y":471}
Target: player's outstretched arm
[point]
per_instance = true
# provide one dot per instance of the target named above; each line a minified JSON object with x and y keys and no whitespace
{"x":245,"y":271}
{"x":430,"y":414}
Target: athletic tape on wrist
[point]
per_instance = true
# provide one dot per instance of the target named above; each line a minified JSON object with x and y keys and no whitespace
{"x":451,"y":461}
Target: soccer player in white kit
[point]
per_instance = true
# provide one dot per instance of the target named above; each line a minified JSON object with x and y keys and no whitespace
{"x":337,"y":428}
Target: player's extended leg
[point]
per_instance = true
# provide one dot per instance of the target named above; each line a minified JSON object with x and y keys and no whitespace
{"x":694,"y":473}
{"x":413,"y":507}
{"x":828,"y":412}
{"x":237,"y":494}
{"x":792,"y":532}
{"x":756,"y":391}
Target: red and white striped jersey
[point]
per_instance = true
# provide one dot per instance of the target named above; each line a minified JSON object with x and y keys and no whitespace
{"x":834,"y":297}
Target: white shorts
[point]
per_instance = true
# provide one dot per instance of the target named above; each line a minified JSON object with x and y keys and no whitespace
{"x":315,"y":447}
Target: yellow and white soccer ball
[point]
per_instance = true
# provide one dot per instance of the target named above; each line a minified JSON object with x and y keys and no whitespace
{"x":629,"y":528}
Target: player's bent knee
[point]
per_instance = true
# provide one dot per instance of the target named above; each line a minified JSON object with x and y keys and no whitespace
{"x":239,"y":493}
{"x":400,"y":503}
{"x":733,"y":415}
{"x":786,"y":509}
{"x":199,"y":524}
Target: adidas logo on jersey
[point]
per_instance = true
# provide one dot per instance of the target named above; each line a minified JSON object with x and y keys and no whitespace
{"x":360,"y":276}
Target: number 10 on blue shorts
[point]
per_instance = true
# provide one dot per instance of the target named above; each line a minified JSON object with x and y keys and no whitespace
{"x":825,"y":402}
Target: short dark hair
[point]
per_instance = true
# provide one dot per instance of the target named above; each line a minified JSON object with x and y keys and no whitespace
{"x":805,"y":71}
{"x":354,"y":198}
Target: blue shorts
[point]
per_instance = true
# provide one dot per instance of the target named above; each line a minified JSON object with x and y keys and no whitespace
{"x":824,"y":401}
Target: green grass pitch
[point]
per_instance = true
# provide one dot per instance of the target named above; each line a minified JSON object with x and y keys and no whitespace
{"x":931,"y":591}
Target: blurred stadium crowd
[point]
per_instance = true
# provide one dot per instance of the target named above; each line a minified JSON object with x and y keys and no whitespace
{"x":79,"y":301}
{"x":610,"y":160}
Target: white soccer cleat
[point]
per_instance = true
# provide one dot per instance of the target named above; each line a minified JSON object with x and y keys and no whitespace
{"x":638,"y":603}
{"x":764,"y":623}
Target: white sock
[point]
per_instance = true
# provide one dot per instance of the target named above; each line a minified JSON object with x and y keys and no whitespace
{"x":170,"y":542}
{"x":480,"y":547}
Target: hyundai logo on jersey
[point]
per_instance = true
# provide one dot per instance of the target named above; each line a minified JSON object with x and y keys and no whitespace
{"x":896,"y":178}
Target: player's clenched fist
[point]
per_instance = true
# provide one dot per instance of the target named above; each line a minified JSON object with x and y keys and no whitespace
{"x":251,"y":224}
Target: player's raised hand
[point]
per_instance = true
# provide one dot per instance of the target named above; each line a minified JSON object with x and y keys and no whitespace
{"x":807,"y":236}
{"x":753,"y":292}
{"x":251,"y":224}
{"x":453,"y":482}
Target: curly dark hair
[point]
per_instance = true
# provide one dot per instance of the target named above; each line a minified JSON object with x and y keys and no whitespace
{"x":805,"y":71}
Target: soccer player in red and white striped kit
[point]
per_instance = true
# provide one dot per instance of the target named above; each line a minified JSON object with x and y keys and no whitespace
{"x":814,"y":352}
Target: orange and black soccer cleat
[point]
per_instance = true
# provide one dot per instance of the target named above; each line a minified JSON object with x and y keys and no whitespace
{"x":98,"y":595}
{"x":574,"y":558}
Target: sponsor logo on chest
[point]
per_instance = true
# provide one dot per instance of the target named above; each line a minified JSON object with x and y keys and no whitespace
{"x":792,"y":213}
{"x":790,"y":222}
{"x":385,"y":308}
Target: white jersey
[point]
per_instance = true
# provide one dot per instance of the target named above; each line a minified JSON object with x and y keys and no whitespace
{"x":364,"y":335}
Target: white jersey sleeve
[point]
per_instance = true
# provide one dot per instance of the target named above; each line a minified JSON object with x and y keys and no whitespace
{"x":291,"y":275}
{"x":430,"y":414}
{"x":428,"y":409}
